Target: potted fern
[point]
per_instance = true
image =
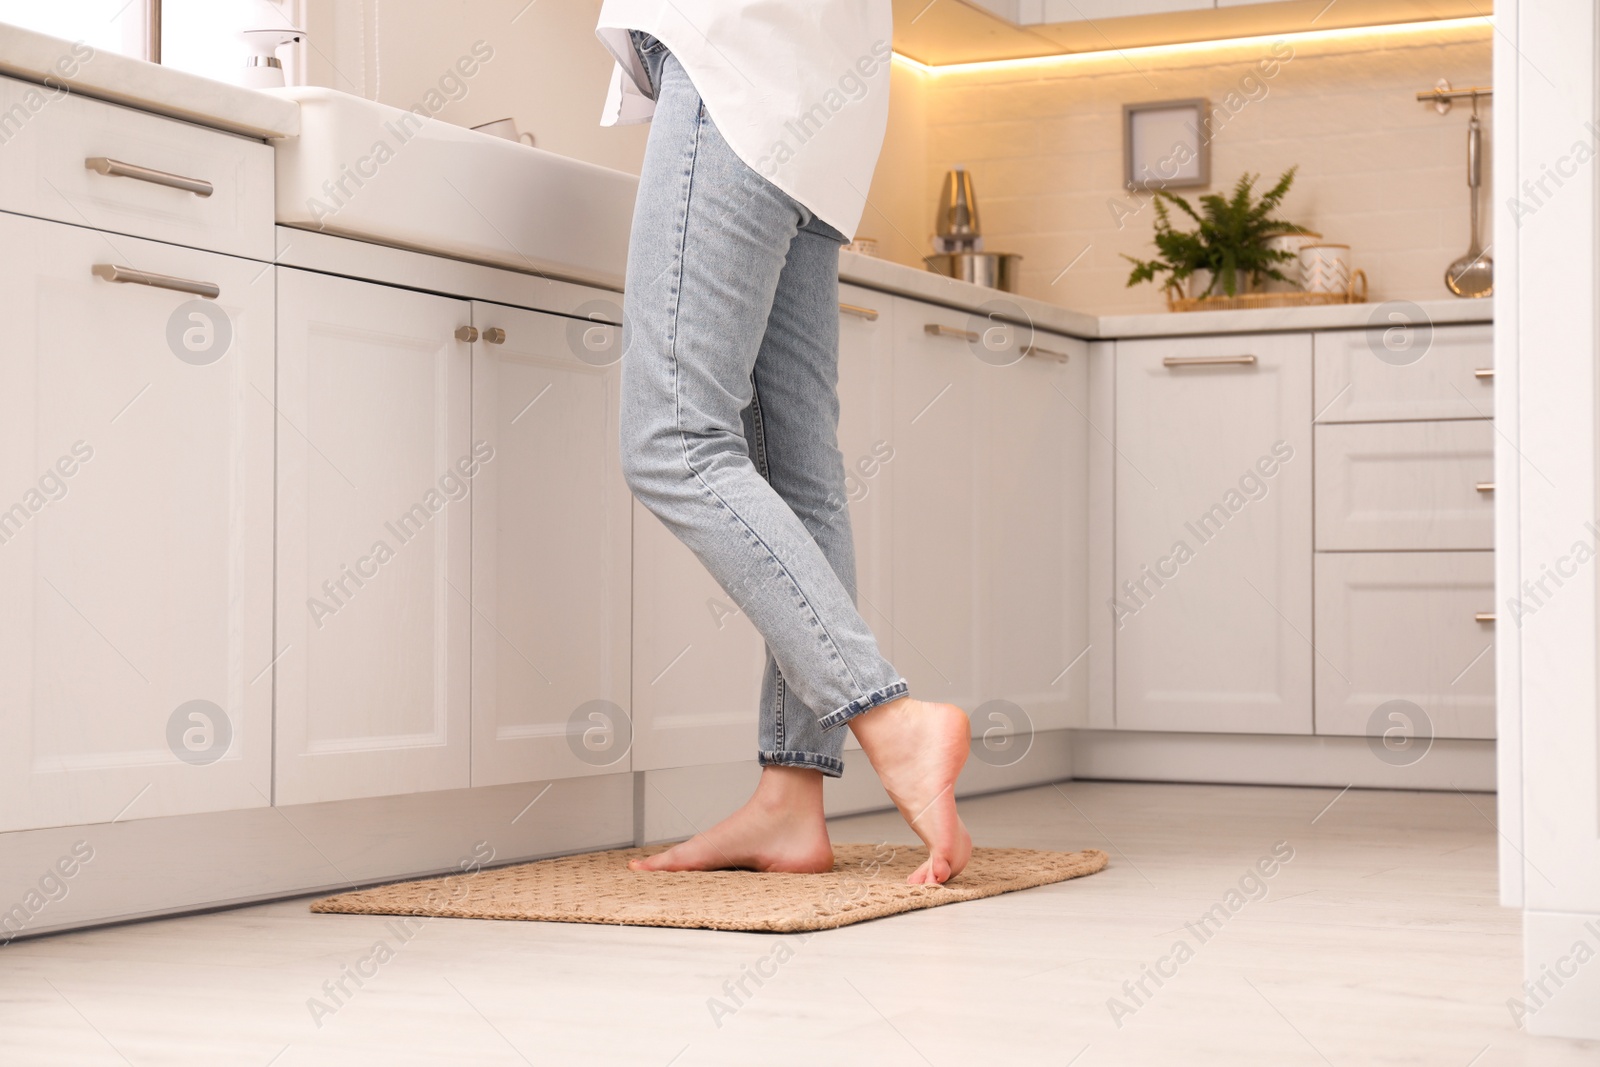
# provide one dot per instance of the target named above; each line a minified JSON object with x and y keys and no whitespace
{"x":1229,"y":244}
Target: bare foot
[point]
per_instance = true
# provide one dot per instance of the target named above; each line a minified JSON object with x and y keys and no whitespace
{"x":918,"y":749}
{"x":781,"y":828}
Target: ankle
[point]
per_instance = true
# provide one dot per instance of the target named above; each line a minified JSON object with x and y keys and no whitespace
{"x":789,"y":790}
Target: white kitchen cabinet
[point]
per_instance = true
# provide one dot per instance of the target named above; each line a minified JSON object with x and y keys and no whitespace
{"x":1403,"y":372}
{"x":373,"y":625}
{"x":938,"y":626}
{"x":1213,"y":534}
{"x":1405,"y":626}
{"x":1053,"y":11}
{"x":135,"y":530}
{"x":551,"y":535}
{"x":1405,"y":485}
{"x":989,"y":516}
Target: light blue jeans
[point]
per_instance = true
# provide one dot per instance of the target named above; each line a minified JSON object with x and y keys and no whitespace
{"x":730,"y":413}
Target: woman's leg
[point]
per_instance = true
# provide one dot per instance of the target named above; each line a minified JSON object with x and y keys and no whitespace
{"x":710,"y":243}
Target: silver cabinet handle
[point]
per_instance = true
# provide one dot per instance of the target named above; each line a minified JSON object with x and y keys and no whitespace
{"x":1208,"y":361}
{"x":468,"y":334}
{"x":1035,"y":350}
{"x":936,"y":329}
{"x":1483,"y":372}
{"x":1485,"y":487}
{"x":115,"y":168}
{"x":1483,"y":616}
{"x":870,"y":314}
{"x":110,"y":273}
{"x":495,"y":335}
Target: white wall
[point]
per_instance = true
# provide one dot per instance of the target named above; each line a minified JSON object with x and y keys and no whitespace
{"x":548,"y":71}
{"x":1378,"y":170}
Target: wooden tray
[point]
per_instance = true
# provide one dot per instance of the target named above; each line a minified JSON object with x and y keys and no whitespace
{"x":1356,"y":294}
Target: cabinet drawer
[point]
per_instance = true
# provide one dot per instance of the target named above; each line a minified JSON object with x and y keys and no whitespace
{"x":1400,"y":373}
{"x":1402,"y":626}
{"x":47,"y":173}
{"x":1405,"y":485}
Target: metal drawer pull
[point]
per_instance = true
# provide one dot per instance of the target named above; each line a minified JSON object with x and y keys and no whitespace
{"x":1208,"y":361}
{"x":495,"y":335}
{"x":1483,"y":616}
{"x":111,"y":273}
{"x":1485,"y":487}
{"x":1483,"y":372}
{"x":870,"y":314}
{"x":934,"y":329}
{"x":1035,"y":350}
{"x":468,"y":334}
{"x":115,"y":168}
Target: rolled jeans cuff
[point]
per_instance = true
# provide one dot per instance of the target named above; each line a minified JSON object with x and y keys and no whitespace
{"x":833,"y":768}
{"x":863,"y":704}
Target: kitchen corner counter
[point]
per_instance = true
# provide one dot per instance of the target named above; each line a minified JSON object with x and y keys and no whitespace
{"x":120,"y":79}
{"x":924,"y":285}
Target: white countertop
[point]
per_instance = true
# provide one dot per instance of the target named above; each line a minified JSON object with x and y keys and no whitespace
{"x":147,"y":86}
{"x":924,"y":285}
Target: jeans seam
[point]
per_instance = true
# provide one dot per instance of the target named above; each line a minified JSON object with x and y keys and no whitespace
{"x":785,"y":757}
{"x":677,"y":410}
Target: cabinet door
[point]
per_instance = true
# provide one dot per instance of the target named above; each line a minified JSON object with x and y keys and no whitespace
{"x":1405,"y":626}
{"x":135,"y":531}
{"x":1031,"y":505}
{"x":866,"y":438}
{"x":374,"y":468}
{"x":990,"y":532}
{"x":1213,"y":534}
{"x":1405,"y":485}
{"x":551,"y":522}
{"x":938,"y":412}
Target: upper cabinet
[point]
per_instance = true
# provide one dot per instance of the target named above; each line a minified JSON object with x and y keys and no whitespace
{"x":375,"y":470}
{"x":1213,"y":534}
{"x":136,"y":429}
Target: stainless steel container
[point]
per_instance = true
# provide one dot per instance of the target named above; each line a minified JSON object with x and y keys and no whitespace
{"x":997,"y":270}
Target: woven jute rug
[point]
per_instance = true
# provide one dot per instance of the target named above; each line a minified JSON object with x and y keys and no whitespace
{"x":867,"y":882}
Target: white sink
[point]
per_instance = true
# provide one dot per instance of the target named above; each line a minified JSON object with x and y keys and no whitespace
{"x":378,"y":173}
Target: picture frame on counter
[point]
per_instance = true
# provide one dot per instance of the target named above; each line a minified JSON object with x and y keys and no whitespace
{"x":1164,"y":146}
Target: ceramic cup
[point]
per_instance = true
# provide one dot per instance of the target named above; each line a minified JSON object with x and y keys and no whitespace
{"x":1291,"y":243}
{"x":505,"y":129}
{"x":1325,"y":268}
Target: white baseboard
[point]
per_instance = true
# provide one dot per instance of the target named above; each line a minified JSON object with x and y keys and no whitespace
{"x":678,"y":801}
{"x":1276,"y":759}
{"x":1564,"y":1000}
{"x":149,"y":867}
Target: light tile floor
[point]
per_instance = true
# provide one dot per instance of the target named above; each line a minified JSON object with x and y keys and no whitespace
{"x":1379,"y":942}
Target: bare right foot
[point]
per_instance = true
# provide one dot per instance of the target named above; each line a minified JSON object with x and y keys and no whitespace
{"x":918,"y":750}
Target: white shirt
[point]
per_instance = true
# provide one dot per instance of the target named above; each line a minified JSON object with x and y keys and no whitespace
{"x":798,"y":88}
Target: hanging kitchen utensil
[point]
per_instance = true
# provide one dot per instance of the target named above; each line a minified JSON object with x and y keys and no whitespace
{"x":1473,"y":274}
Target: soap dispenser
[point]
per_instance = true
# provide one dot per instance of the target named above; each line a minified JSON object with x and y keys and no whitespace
{"x":262,"y":68}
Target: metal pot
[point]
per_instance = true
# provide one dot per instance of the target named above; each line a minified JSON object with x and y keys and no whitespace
{"x":997,"y":270}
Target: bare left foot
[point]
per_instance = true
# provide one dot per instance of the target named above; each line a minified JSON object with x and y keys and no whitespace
{"x":780,"y":829}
